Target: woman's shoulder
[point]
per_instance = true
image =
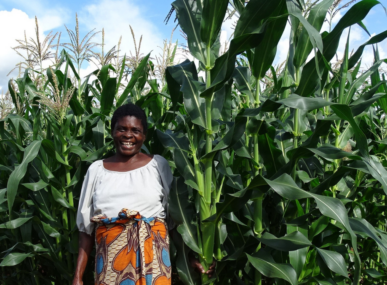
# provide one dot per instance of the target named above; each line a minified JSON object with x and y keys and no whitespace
{"x":95,"y":165}
{"x":162,"y":165}
{"x":160,"y":160}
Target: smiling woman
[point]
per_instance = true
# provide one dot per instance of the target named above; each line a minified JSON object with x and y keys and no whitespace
{"x":124,"y":201}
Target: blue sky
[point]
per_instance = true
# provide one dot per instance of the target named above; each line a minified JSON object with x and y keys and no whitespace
{"x":145,"y":16}
{"x":153,"y":10}
{"x":115,"y":16}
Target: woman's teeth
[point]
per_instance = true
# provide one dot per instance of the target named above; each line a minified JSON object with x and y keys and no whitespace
{"x":127,"y":143}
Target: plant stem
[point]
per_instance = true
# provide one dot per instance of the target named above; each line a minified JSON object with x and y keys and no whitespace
{"x":296,"y":127}
{"x":207,"y":229}
{"x":208,"y":164}
{"x":33,"y":268}
{"x":258,"y":229}
{"x":70,"y":189}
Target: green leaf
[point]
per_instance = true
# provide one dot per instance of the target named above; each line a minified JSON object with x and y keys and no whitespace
{"x":266,"y":265}
{"x":330,"y":152}
{"x":50,"y":230}
{"x":75,"y":105}
{"x":330,"y":207}
{"x":17,"y":175}
{"x":193,"y":103}
{"x":78,"y":151}
{"x":345,"y":136}
{"x":139,"y":73}
{"x":318,"y":226}
{"x":107,"y":96}
{"x":271,"y":155}
{"x":14,"y":223}
{"x":231,"y":216}
{"x":175,"y":77}
{"x":232,"y":137}
{"x":49,"y":147}
{"x":358,"y":53}
{"x":304,"y":176}
{"x":374,"y":273}
{"x":212,"y":19}
{"x":183,"y":266}
{"x":36,"y":247}
{"x":253,"y":14}
{"x":359,"y":81}
{"x":36,"y":186}
{"x":181,"y":211}
{"x":219,"y":101}
{"x":314,"y":36}
{"x":59,"y":198}
{"x":242,"y":77}
{"x":99,"y":134}
{"x":103,"y":73}
{"x":310,"y":80}
{"x":180,"y":144}
{"x":365,"y":228}
{"x":265,"y":52}
{"x":304,"y":103}
{"x":70,"y":62}
{"x":290,"y":242}
{"x":98,"y":154}
{"x":335,"y":261}
{"x":316,"y":19}
{"x":344,"y":112}
{"x":189,"y":17}
{"x":14,"y":258}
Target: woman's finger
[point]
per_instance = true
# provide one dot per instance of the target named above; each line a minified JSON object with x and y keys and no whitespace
{"x":199,"y":266}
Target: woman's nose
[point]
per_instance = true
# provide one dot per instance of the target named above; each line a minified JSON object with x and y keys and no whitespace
{"x":128,"y":134}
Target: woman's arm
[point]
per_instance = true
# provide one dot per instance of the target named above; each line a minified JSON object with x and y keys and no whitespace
{"x":86,"y":243}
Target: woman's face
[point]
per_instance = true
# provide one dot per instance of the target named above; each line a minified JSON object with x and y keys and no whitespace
{"x":128,"y":135}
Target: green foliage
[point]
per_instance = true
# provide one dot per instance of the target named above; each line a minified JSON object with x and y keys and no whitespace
{"x":280,"y":173}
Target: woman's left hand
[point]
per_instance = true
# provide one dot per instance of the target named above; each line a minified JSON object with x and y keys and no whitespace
{"x":199,"y":267}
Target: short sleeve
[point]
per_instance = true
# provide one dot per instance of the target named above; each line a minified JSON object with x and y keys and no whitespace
{"x":85,"y":206}
{"x":166,"y":179}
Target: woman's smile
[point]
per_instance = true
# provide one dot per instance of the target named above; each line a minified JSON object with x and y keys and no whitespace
{"x":128,"y":136}
{"x":127,"y":144}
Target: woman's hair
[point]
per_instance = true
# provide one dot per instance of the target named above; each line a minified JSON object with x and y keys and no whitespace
{"x":130,"y":110}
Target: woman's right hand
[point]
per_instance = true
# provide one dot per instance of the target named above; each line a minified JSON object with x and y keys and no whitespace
{"x":86,"y":243}
{"x":77,"y":281}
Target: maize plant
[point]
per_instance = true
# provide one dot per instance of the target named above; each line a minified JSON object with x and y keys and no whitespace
{"x":275,"y":169}
{"x":280,"y":169}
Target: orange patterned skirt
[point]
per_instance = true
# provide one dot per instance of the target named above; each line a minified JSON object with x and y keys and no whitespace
{"x":132,"y":250}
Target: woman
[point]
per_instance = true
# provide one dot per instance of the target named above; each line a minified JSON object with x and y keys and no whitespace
{"x":124,"y":201}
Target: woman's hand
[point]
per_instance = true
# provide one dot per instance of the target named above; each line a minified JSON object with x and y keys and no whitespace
{"x":77,"y":281}
{"x":199,"y":267}
{"x":86,"y":243}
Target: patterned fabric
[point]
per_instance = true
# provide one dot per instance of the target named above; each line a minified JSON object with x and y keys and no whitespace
{"x":132,"y":250}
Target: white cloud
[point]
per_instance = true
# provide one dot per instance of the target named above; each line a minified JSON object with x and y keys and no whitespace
{"x":15,"y":22}
{"x":115,"y":16}
{"x":50,"y":14}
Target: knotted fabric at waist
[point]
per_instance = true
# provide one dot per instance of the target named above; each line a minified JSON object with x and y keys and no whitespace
{"x":133,"y":248}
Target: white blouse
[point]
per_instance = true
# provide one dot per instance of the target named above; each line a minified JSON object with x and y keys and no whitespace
{"x":144,"y":189}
